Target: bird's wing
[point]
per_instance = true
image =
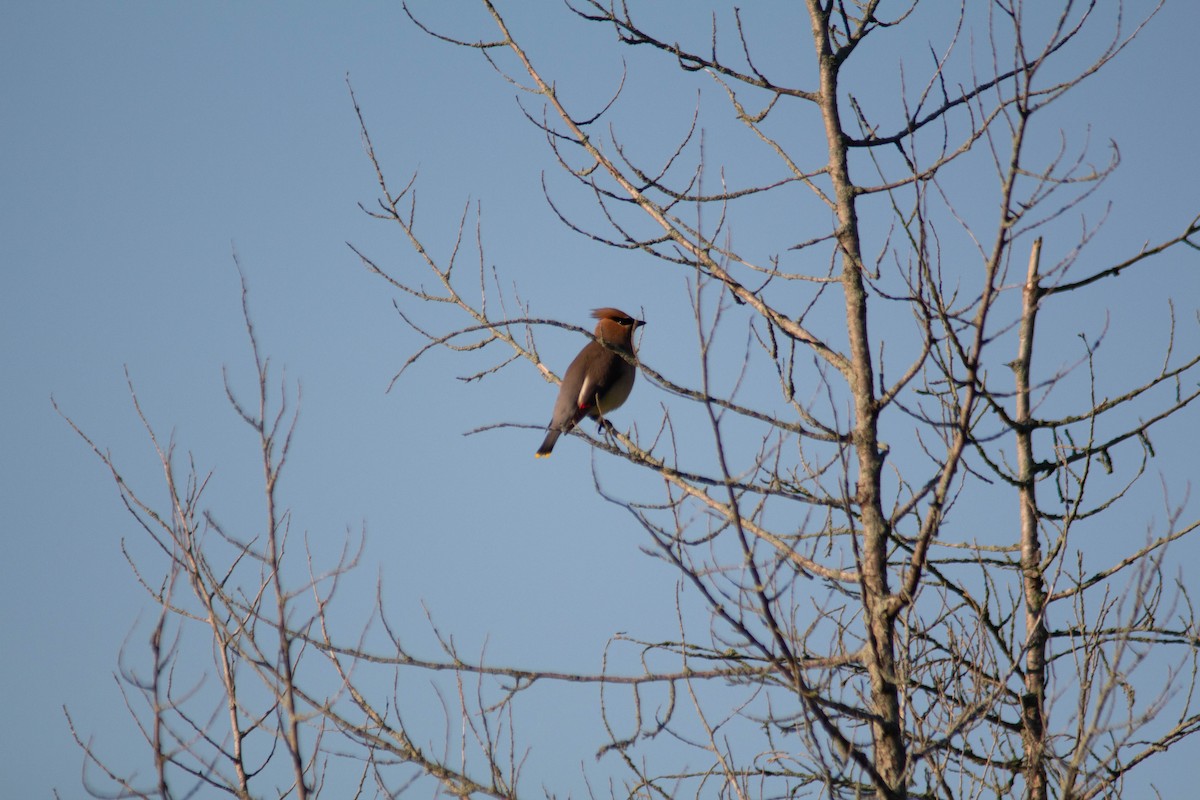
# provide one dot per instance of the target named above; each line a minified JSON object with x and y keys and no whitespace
{"x":587,"y":392}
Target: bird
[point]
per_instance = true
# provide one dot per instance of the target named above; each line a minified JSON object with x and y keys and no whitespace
{"x":599,"y":379}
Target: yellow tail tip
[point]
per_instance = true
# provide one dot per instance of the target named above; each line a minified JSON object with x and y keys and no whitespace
{"x":541,"y":455}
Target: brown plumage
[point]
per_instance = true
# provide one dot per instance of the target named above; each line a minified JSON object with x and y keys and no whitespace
{"x":599,"y":379}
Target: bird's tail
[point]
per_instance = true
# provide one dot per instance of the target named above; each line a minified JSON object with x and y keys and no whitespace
{"x":548,"y":443}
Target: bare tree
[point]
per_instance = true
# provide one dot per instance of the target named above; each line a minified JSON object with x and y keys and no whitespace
{"x":873,"y":629}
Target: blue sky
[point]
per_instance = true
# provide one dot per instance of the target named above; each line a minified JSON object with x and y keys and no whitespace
{"x":144,"y":144}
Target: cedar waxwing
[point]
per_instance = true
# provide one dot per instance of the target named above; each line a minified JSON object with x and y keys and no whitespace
{"x":598,"y":380}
